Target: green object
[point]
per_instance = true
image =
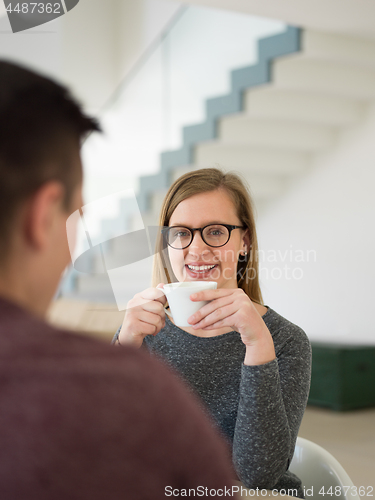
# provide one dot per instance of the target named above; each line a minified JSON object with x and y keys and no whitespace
{"x":343,"y":376}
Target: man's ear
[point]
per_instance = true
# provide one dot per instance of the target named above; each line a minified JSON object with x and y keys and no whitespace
{"x":42,"y":212}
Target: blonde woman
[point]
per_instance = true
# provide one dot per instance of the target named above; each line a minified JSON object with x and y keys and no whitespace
{"x":249,"y":365}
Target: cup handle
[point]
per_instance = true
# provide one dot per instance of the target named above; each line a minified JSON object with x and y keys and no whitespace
{"x":168,"y":313}
{"x":166,"y":310}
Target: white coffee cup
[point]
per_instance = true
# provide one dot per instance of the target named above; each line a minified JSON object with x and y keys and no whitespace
{"x":178,"y":295}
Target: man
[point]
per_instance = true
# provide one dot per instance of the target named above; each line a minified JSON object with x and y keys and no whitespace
{"x":78,"y":419}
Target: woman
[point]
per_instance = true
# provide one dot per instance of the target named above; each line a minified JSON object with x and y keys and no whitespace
{"x":249,"y":365}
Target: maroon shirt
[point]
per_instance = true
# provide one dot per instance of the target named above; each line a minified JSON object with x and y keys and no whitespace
{"x":83,"y":420}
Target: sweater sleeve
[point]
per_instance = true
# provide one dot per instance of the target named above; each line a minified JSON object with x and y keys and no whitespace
{"x":273,"y":398}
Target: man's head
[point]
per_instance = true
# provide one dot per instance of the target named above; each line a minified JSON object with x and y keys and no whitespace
{"x":41,"y":129}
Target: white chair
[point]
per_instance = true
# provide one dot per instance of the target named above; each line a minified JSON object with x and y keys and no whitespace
{"x":318,"y":469}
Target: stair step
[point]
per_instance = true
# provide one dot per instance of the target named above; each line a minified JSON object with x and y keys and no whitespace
{"x":157,"y":200}
{"x":265,"y":187}
{"x":261,"y":186}
{"x":150,"y":217}
{"x":179,"y":171}
{"x":298,"y":72}
{"x":94,"y":285}
{"x":242,"y":129}
{"x":275,"y":103}
{"x":251,"y":159}
{"x":338,"y":48}
{"x":99,"y":285}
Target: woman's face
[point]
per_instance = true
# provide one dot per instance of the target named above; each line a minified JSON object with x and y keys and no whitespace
{"x":212,"y":207}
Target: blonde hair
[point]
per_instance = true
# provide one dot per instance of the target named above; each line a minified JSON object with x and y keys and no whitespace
{"x":203,"y":181}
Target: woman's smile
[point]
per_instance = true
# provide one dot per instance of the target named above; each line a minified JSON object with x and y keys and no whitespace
{"x":200,"y":270}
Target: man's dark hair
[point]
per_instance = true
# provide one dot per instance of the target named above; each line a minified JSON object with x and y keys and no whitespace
{"x":41,"y":129}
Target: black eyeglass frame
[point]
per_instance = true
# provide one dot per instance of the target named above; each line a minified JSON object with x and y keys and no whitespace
{"x":230,"y":228}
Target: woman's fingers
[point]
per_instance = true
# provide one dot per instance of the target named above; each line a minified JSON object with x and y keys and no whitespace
{"x":210,"y":308}
{"x":148,"y":323}
{"x":138,"y":323}
{"x":147,"y":296}
{"x":228,"y":321}
{"x":217,"y":315}
{"x":144,"y":315}
{"x":153,"y":294}
{"x":212,"y":294}
{"x":153,"y":306}
{"x":150,"y":311}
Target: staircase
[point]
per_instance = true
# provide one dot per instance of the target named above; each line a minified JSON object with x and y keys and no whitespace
{"x":306,"y":88}
{"x":311,"y":96}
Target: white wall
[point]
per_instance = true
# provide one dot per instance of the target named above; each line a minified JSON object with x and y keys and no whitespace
{"x":89,"y":51}
{"x":39,"y":48}
{"x":140,"y":22}
{"x":103,"y":40}
{"x":92,"y":47}
{"x":331,"y":211}
{"x":355,"y":17}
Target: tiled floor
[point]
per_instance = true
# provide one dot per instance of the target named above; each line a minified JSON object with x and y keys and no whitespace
{"x":349,"y":436}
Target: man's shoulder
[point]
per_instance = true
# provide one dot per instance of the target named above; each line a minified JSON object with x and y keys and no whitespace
{"x":61,"y":365}
{"x":37,"y":345}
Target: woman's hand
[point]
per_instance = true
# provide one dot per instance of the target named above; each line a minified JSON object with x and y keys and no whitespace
{"x":233,"y":308}
{"x":144,"y":315}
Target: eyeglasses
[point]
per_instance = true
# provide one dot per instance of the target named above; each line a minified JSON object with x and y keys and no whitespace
{"x":214,"y":235}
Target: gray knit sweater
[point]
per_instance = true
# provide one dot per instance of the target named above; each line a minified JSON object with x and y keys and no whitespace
{"x":258,"y":408}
